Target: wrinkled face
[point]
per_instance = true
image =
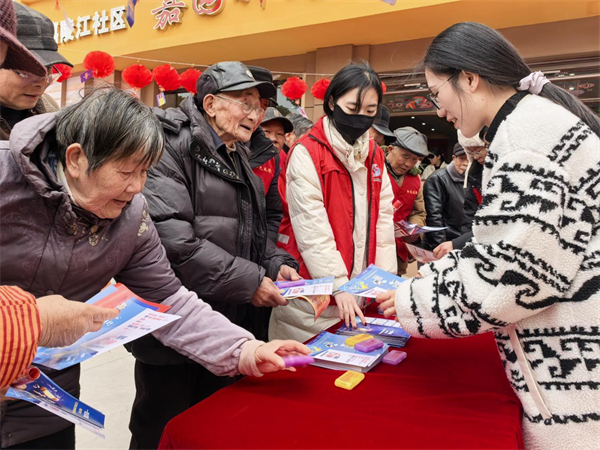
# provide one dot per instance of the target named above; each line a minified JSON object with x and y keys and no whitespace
{"x":20,"y":93}
{"x":376,"y":136}
{"x":108,"y":189}
{"x":402,"y":160}
{"x":368,"y":105}
{"x":236,"y":114}
{"x":3,"y":50}
{"x":274,"y":130}
{"x":465,"y":112}
{"x":478,"y":153}
{"x":461,"y":162}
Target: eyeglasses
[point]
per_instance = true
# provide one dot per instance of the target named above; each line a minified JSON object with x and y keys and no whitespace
{"x":474,"y":153}
{"x":31,"y":78}
{"x":433,"y":98}
{"x":247,"y":108}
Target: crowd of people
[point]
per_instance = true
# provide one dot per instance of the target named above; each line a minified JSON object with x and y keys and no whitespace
{"x":205,"y":206}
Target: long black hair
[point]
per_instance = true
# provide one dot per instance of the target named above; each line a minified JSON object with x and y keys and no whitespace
{"x":479,"y":49}
{"x":355,"y":75}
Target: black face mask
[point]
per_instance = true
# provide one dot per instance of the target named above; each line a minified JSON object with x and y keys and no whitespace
{"x":351,"y":126}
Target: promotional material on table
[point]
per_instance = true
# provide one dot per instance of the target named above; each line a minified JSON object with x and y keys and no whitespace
{"x":372,"y":281}
{"x":403,"y":228}
{"x":331,"y":352}
{"x":137,"y":318}
{"x":386,"y":330}
{"x":40,"y":390}
{"x":316,"y":292}
{"x":421,"y":255}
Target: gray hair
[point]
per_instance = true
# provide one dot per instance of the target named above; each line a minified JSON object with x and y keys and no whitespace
{"x":301,"y":124}
{"x":110,"y":125}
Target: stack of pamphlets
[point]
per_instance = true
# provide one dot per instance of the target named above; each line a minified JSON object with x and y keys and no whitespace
{"x":421,"y":255}
{"x":138,"y":318}
{"x":317,"y":292}
{"x":331,"y":352}
{"x":37,"y":388}
{"x":386,"y":330}
{"x":372,"y":281}
{"x":403,"y":228}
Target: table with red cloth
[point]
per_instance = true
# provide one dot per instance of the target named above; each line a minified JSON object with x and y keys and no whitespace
{"x":447,"y":394}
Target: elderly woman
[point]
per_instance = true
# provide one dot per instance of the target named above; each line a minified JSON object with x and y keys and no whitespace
{"x":71,"y":218}
{"x":209,"y":210}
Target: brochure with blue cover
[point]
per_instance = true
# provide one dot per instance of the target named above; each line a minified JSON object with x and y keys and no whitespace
{"x":331,"y":352}
{"x":372,"y":281}
{"x":46,"y":394}
{"x":138,"y":318}
{"x":386,"y":330}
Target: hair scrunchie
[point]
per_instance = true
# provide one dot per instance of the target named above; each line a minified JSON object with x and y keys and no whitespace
{"x":534,"y":82}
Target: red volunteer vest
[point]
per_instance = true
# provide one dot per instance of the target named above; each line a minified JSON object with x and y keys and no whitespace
{"x":405,"y":195}
{"x":336,"y":184}
{"x":266,"y":173}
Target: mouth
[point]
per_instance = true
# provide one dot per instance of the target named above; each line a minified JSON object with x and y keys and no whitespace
{"x":246,"y":127}
{"x":121,"y":203}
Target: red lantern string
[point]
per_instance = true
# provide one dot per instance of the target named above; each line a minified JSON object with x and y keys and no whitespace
{"x":166,"y":77}
{"x":137,"y":76}
{"x":383,"y":87}
{"x":100,"y":62}
{"x":319,"y":89}
{"x":189,"y":79}
{"x":294,"y":88}
{"x":65,"y":72}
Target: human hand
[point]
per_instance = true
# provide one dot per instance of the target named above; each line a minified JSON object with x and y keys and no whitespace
{"x":348,"y":309}
{"x":387,"y":303}
{"x":65,"y":321}
{"x":443,"y":249}
{"x":267,"y":294}
{"x":268,"y":356}
{"x":287,"y":273}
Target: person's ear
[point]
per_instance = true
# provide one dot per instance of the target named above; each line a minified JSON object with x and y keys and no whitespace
{"x":331,"y":104}
{"x":473,"y":80}
{"x":76,"y":163}
{"x":209,"y":104}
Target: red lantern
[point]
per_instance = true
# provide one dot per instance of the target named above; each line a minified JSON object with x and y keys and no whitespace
{"x":166,"y":77}
{"x":294,"y":88}
{"x":383,"y":87}
{"x":319,"y":89}
{"x":189,"y":78}
{"x":100,"y":62}
{"x":65,"y":72}
{"x":137,"y":76}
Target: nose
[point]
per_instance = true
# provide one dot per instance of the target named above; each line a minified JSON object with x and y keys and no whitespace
{"x":136,"y":186}
{"x":441,"y":112}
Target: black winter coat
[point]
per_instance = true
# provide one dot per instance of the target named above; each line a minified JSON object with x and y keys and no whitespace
{"x":261,"y":151}
{"x":470,"y":205}
{"x":444,"y":199}
{"x":211,"y":219}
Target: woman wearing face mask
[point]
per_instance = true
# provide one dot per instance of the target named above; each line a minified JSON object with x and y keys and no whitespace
{"x":339,"y":198}
{"x":531,"y":272}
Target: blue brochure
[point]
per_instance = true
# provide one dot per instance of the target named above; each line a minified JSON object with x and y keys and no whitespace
{"x":386,"y":330}
{"x":372,"y":281}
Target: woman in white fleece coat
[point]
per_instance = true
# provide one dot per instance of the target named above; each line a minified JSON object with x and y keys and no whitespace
{"x":531,"y":273}
{"x":339,"y":214}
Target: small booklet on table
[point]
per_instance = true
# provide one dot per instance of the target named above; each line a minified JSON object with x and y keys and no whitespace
{"x":331,"y":352}
{"x":386,"y":330}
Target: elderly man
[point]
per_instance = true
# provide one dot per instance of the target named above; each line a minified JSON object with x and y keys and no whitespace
{"x":22,"y":92}
{"x":380,"y":131}
{"x":71,"y":218}
{"x":444,"y":197}
{"x":302,"y":127}
{"x":209,"y":211}
{"x":405,"y":153}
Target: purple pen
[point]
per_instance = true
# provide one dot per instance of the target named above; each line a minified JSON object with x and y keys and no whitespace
{"x":290,"y":284}
{"x":298,"y":360}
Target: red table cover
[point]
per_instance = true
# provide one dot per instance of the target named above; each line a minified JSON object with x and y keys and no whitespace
{"x":447,"y":394}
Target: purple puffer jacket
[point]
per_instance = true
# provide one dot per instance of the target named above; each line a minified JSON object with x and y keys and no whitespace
{"x":50,"y":246}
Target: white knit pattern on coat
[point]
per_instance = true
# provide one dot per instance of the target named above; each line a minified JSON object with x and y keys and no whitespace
{"x":534,"y":262}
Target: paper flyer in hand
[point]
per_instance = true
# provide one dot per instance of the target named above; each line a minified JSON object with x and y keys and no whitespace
{"x":316,"y":292}
{"x":43,"y":392}
{"x":421,"y":255}
{"x":331,"y":352}
{"x":402,"y":228}
{"x":372,"y":281}
{"x":138,"y":318}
